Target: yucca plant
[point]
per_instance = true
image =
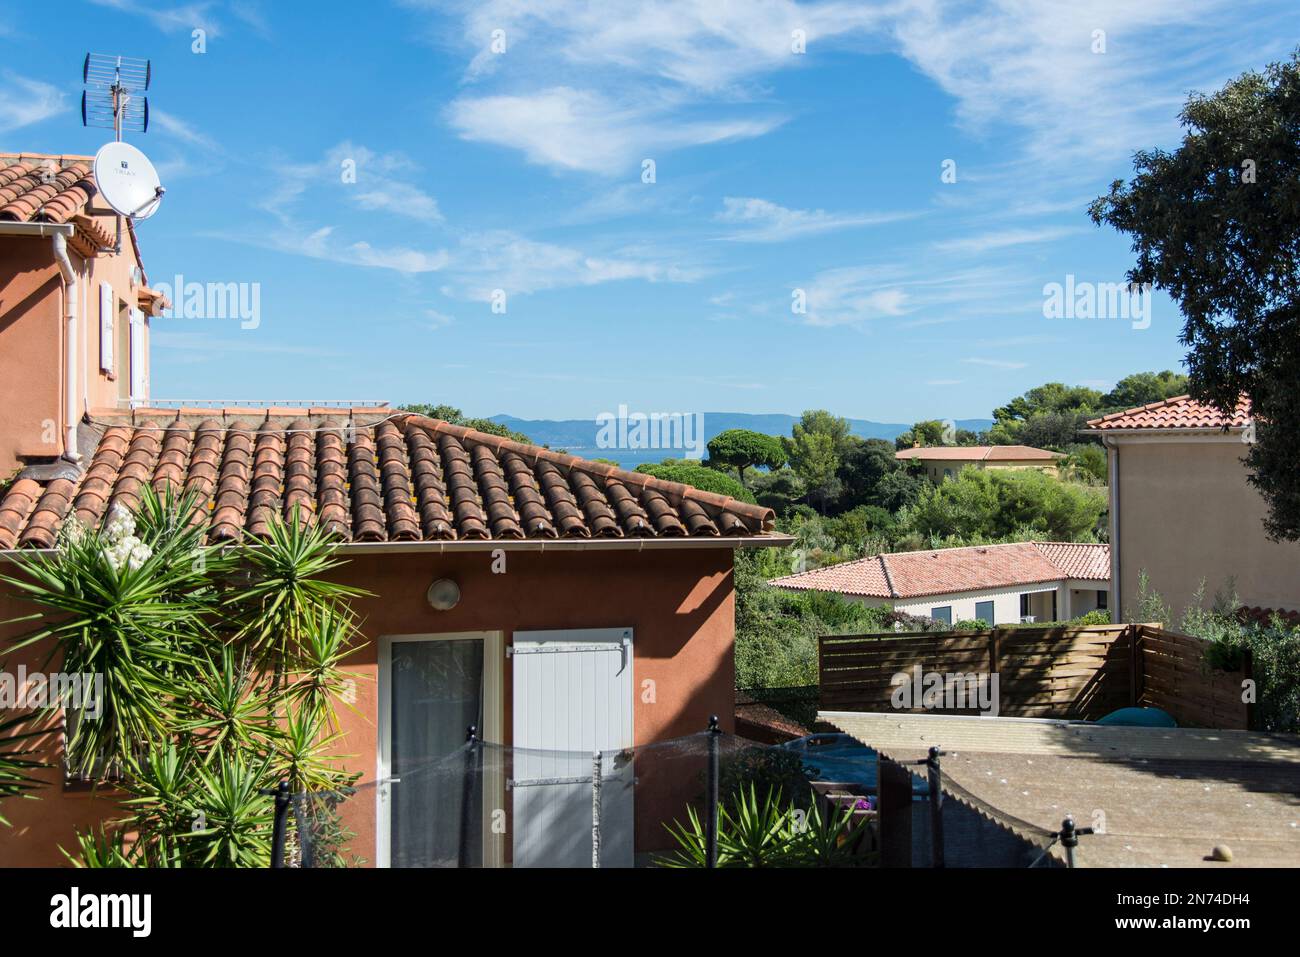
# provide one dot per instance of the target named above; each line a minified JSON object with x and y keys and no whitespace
{"x":767,"y":832}
{"x":17,"y":757}
{"x":126,"y":607}
{"x":285,"y":590}
{"x":219,"y":668}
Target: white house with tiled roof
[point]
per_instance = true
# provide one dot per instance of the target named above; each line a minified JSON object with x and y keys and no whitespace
{"x":1000,"y":584}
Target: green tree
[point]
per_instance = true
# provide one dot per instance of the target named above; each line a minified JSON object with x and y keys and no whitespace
{"x":814,"y":448}
{"x":998,"y":504}
{"x":862,"y":467}
{"x":1216,"y":224}
{"x":1143,"y":388}
{"x":743,"y":448}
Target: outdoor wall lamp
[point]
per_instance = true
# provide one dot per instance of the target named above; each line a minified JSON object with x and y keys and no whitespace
{"x":444,"y":594}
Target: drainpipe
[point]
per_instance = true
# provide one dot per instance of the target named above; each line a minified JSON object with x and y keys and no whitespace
{"x":70,"y":373}
{"x":1112,"y":477}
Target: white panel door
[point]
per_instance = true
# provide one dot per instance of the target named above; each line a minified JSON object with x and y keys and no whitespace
{"x":573,"y":695}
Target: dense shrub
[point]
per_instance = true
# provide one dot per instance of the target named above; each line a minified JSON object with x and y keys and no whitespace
{"x":699,"y":476}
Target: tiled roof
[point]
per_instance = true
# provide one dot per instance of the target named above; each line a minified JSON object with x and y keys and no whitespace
{"x":35,"y":188}
{"x":371,"y":476}
{"x":948,"y":570}
{"x":1078,"y":560}
{"x":1180,"y":412}
{"x":978,"y":453}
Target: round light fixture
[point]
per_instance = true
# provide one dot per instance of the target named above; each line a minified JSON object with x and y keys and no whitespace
{"x":444,"y":594}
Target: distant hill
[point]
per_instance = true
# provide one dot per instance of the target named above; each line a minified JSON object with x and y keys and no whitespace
{"x":578,"y":436}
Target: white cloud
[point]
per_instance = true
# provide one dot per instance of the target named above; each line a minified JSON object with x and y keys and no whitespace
{"x":995,"y":363}
{"x":186,"y":17}
{"x":765,"y":222}
{"x":508,"y":261}
{"x":24,"y":102}
{"x":1004,"y":239}
{"x":853,"y":295}
{"x":584,"y":130}
{"x":320,"y":244}
{"x":182,"y":130}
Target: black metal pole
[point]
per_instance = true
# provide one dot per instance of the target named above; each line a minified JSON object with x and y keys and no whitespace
{"x":1070,"y":838}
{"x":936,"y":807}
{"x":282,"y":802}
{"x":711,"y":820}
{"x":467,"y":793}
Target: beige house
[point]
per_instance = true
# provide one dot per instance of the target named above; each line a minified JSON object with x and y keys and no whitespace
{"x":945,"y":461}
{"x":1182,"y":510}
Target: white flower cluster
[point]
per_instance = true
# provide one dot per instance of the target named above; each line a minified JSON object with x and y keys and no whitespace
{"x":124,"y":549}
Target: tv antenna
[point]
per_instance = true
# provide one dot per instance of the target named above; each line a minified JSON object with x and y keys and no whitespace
{"x":114,"y":99}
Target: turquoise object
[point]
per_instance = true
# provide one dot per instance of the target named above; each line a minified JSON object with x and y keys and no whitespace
{"x":1139,"y":718}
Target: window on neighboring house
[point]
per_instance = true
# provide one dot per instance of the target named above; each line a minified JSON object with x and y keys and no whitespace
{"x":947,"y":473}
{"x":1102,"y":598}
{"x":942,"y":613}
{"x":1024,"y":606}
{"x":984,"y":611}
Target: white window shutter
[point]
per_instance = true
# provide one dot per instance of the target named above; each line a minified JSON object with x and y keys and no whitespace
{"x":106,"y":311}
{"x":139,"y":388}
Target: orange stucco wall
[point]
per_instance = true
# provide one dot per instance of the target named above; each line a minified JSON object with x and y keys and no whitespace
{"x":1186,"y":515}
{"x":679,"y":603}
{"x":32,"y":336}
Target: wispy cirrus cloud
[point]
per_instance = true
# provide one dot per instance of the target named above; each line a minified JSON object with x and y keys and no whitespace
{"x":584,"y":130}
{"x":170,"y":19}
{"x":515,"y":264}
{"x":1005,"y":239}
{"x":994,"y":363}
{"x":762,"y":221}
{"x":25,"y":101}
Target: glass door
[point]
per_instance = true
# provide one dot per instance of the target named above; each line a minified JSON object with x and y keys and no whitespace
{"x":432,"y":687}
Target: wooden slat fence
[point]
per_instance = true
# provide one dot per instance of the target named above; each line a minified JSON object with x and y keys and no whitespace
{"x":1176,"y":678}
{"x":1073,"y":673}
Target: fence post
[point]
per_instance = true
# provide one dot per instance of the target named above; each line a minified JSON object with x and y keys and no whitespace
{"x":895,"y":813}
{"x":1134,"y":665}
{"x":995,"y":654}
{"x":472,"y":751}
{"x":282,"y":801}
{"x":596,"y":783}
{"x":711,"y":818}
{"x":936,"y":806}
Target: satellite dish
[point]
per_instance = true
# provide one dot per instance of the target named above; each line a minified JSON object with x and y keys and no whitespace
{"x":127,"y":180}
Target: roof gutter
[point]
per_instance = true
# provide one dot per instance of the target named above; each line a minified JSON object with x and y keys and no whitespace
{"x":70,"y":289}
{"x":513,"y":545}
{"x":36,"y":230}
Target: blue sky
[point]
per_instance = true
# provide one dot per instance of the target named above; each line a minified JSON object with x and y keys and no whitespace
{"x":777,"y":175}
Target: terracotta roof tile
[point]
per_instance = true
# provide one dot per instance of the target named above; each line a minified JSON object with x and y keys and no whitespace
{"x":44,"y":189}
{"x":35,"y":188}
{"x":1180,"y":412}
{"x":374,"y":477}
{"x":948,"y":570}
{"x":978,"y":453}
